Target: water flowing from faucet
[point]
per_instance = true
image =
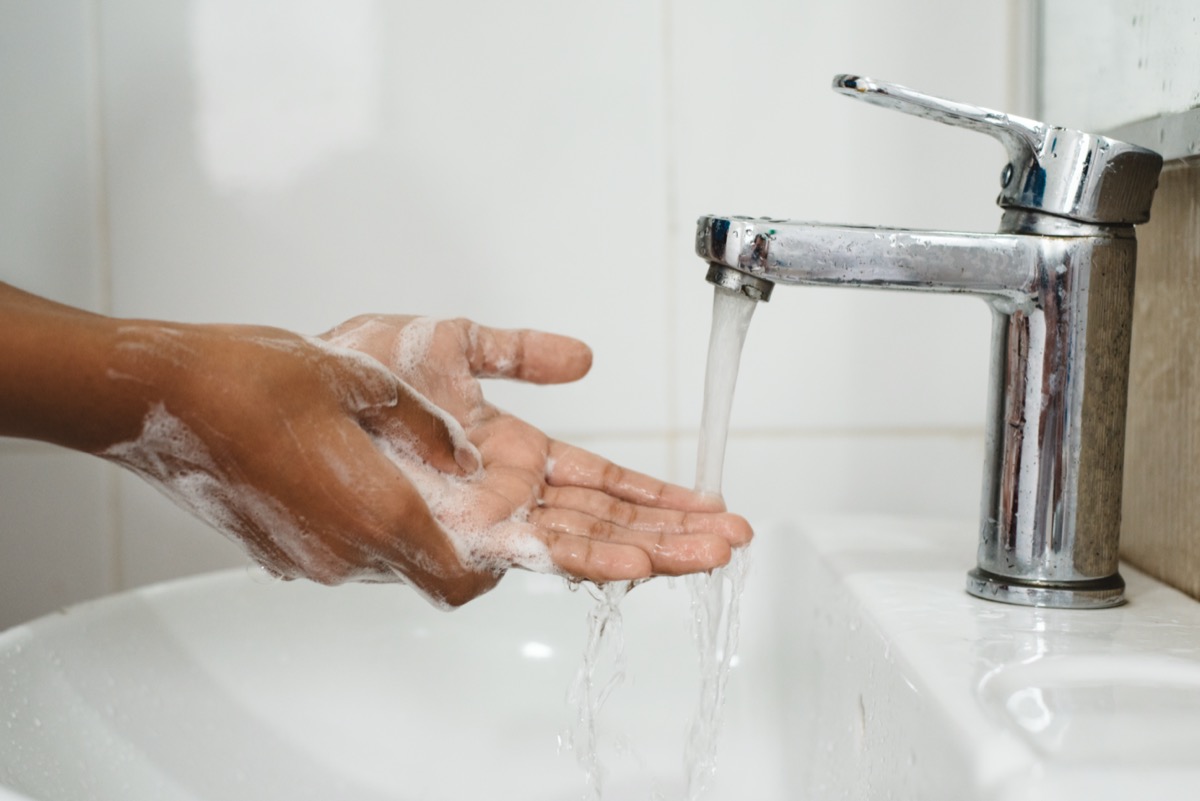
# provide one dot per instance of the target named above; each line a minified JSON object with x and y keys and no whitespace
{"x":730,"y":322}
{"x":716,"y":596}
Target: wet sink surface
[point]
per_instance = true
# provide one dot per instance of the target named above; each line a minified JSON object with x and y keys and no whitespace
{"x":225,"y":686}
{"x":865,"y":672}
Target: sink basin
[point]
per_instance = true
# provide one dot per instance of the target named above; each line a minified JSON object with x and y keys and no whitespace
{"x":231,"y":685}
{"x":865,"y":671}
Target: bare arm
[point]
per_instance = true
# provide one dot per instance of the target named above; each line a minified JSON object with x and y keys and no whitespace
{"x":54,"y":383}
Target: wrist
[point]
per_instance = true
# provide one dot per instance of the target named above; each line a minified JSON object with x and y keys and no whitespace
{"x":66,"y":376}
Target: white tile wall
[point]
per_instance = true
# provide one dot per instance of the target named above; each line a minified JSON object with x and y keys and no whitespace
{"x":55,"y":544}
{"x":774,"y":476}
{"x":498,"y":170}
{"x":48,"y":208}
{"x":1112,"y":62}
{"x":534,"y":163}
{"x":56,"y":530}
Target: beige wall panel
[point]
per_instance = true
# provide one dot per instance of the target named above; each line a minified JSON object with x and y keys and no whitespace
{"x":1161,"y":520}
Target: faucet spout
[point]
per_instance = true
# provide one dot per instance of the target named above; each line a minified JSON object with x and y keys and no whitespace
{"x":814,"y":254}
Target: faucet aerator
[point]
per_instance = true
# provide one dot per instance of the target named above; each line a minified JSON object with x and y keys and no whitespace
{"x":751,"y":286}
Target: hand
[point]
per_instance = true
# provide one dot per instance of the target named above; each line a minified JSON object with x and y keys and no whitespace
{"x":597,"y":520}
{"x":272,"y":439}
{"x":324,"y":463}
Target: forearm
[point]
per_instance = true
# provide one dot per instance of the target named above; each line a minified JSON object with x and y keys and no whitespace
{"x":57,"y":366}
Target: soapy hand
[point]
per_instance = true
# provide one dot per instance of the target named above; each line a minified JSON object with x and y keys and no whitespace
{"x":595,"y":520}
{"x":369,"y":454}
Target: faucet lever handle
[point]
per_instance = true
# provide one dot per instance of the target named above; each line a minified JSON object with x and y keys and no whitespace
{"x":1053,"y":170}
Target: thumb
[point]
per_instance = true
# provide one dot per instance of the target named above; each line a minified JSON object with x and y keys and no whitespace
{"x":389,"y":408}
{"x":533,"y":356}
{"x":415,"y":425}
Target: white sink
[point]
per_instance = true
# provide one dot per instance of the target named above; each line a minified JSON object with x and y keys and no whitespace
{"x":865,"y":672}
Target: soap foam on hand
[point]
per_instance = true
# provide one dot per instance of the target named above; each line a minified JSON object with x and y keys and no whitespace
{"x":173,"y":458}
{"x":169,"y":456}
{"x":481,"y":545}
{"x":408,"y":347}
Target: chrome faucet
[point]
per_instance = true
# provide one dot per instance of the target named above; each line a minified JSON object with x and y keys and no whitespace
{"x":1058,"y":277}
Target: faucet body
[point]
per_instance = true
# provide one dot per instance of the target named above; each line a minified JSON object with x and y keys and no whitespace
{"x":1062,"y":304}
{"x":1059,"y":284}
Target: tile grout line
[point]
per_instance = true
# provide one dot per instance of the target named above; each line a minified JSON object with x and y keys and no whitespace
{"x":674,"y":435}
{"x":671,"y":210}
{"x":102,"y":241}
{"x":96,"y":124}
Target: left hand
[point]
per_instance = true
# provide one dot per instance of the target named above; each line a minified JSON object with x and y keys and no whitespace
{"x":597,"y":520}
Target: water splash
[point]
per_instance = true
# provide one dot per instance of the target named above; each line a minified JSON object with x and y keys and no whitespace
{"x":602,"y":671}
{"x":715,"y":625}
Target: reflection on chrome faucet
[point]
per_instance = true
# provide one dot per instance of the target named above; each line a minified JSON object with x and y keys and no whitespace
{"x":1058,"y":277}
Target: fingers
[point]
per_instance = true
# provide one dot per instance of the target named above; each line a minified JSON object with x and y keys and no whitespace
{"x":605,"y":523}
{"x":586,"y":558}
{"x":603,"y":551}
{"x":594,"y":536}
{"x":525,"y":355}
{"x":645,"y":519}
{"x":571,"y":466}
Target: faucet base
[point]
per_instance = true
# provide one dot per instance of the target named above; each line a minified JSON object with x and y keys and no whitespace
{"x":1092,"y":594}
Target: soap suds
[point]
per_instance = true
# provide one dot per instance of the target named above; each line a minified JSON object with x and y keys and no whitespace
{"x":169,"y":456}
{"x":480,"y":544}
{"x":494,"y":362}
{"x":175,"y":461}
{"x":154,"y":341}
{"x":412,"y":345}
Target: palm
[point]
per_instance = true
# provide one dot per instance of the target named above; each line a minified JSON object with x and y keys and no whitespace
{"x":596,"y":520}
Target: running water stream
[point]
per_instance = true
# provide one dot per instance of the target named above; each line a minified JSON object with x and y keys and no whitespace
{"x":731,"y":319}
{"x":714,"y":596}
